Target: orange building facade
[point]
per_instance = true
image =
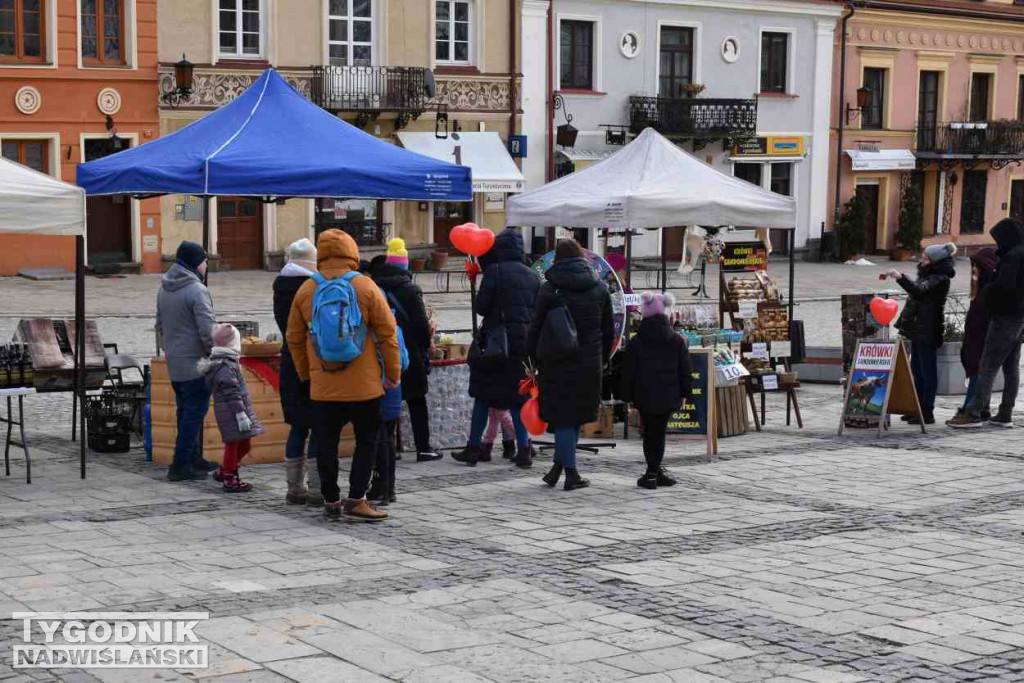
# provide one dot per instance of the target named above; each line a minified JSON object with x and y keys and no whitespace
{"x":78,"y":81}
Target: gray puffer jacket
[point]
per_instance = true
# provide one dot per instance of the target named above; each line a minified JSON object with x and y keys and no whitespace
{"x":184,"y":318}
{"x":230,"y":395}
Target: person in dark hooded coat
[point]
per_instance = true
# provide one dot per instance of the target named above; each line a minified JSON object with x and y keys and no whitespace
{"x":1004,"y":297}
{"x":923,"y":320}
{"x":570,"y":388}
{"x":507,"y":296}
{"x":983,"y":268}
{"x":406,"y":299}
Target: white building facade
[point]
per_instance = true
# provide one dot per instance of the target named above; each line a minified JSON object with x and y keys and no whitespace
{"x":745,"y":85}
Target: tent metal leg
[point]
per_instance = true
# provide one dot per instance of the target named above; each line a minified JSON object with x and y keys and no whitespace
{"x":629,"y":258}
{"x":664,"y":265}
{"x":206,"y":223}
{"x":791,"y":240}
{"x":80,"y":344}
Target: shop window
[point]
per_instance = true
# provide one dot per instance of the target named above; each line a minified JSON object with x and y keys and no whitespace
{"x":453,"y":31}
{"x":980,"y":89}
{"x":31,"y":153}
{"x":874,"y":114}
{"x":927,"y":110}
{"x":102,"y":32}
{"x":576,"y":60}
{"x":241,"y":28}
{"x":749,"y":172}
{"x":972,"y":203}
{"x":350,"y":23}
{"x":774,"y":62}
{"x":676,"y":61}
{"x":782,"y":179}
{"x":1020,"y":98}
{"x":21,"y":30}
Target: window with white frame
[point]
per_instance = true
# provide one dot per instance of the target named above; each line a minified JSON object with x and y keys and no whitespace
{"x":452,"y":31}
{"x":350,"y":28}
{"x":241,"y":28}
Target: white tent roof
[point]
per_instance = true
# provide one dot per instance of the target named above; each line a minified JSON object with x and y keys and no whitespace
{"x":35,"y":202}
{"x":651,"y":183}
{"x":485,"y":153}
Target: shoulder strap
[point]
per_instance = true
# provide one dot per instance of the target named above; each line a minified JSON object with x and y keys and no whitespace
{"x":396,"y":304}
{"x":350,"y":275}
{"x":319,"y":279}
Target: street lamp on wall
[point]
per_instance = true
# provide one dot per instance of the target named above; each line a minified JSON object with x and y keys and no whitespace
{"x":864,"y":97}
{"x":566,"y":133}
{"x":184,"y":73}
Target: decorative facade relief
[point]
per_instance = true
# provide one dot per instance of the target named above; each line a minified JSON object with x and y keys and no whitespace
{"x":477,"y":94}
{"x":28,"y":100}
{"x":214,"y":89}
{"x":109,"y":101}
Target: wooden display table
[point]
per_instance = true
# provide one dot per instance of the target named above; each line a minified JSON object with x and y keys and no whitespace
{"x":20,"y":393}
{"x":260,"y":376}
{"x":755,"y":385}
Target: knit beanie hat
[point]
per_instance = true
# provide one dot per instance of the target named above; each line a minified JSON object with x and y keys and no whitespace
{"x":226,"y":336}
{"x":191,"y":255}
{"x":652,"y":304}
{"x":397,"y":253}
{"x":303,"y":253}
{"x":940,"y":252}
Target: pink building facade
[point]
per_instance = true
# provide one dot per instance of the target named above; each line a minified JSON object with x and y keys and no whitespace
{"x":943,"y":87}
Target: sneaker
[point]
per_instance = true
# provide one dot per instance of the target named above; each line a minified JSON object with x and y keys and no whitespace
{"x":428,"y":455}
{"x":204,"y":465}
{"x":648,"y":481}
{"x":362,"y":511}
{"x":332,"y":511}
{"x":664,"y":479}
{"x":232,"y":484}
{"x":185,"y":475}
{"x":965,"y":421}
{"x":1004,"y":420}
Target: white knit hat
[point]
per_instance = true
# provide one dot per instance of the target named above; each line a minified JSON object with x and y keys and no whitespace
{"x":303,"y":253}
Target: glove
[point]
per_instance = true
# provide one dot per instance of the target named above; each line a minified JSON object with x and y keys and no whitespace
{"x":244,"y":423}
{"x":472,"y":270}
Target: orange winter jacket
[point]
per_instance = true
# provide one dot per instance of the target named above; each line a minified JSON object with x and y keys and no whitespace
{"x":338,"y":254}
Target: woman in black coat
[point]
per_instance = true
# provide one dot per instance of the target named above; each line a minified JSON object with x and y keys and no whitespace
{"x":923,"y":320}
{"x":570,"y":387}
{"x":507,"y":296}
{"x":406,"y":298}
{"x":295,"y":401}
{"x":983,"y":270}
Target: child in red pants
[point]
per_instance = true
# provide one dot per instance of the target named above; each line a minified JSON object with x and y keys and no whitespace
{"x":495,"y":418}
{"x":232,"y":405}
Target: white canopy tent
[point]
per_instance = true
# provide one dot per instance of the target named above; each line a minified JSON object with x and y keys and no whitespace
{"x":35,"y":203}
{"x":651,"y":183}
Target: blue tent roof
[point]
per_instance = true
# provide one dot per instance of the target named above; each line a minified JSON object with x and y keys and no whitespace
{"x":272,"y":142}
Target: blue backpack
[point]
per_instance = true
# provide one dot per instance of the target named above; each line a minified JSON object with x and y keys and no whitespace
{"x":338,"y":328}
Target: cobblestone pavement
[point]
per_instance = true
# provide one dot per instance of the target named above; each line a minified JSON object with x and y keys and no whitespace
{"x":794,"y":556}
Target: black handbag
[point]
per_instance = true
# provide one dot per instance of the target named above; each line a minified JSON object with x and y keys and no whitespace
{"x":490,"y":346}
{"x":558,"y":336}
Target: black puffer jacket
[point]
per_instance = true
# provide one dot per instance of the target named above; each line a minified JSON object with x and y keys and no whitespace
{"x":978,"y":314}
{"x":1005,"y":296}
{"x":656,"y":378}
{"x":570,"y":390}
{"x":398,"y":283}
{"x":298,"y":410}
{"x":508,"y":295}
{"x":924,"y":316}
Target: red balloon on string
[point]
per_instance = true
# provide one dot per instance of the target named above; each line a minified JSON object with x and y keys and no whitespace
{"x":470,"y":239}
{"x":530,"y":415}
{"x":884,"y":310}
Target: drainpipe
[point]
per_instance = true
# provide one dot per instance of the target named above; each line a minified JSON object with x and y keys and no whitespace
{"x":842,"y":125}
{"x":551,"y":107}
{"x":512,"y":66}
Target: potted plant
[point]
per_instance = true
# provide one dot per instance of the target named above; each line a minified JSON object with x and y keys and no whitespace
{"x":417,"y":264}
{"x":439,"y":258}
{"x":911,"y":225}
{"x":852,"y":237}
{"x":694,"y":89}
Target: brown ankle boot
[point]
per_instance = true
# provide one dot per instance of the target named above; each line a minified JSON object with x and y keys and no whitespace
{"x":362,"y":511}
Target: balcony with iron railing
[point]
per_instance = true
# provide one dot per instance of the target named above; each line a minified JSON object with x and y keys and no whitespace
{"x":371,"y":90}
{"x":971,"y":140}
{"x":706,"y":118}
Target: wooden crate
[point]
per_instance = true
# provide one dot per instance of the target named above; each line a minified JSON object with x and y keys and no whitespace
{"x":266,"y":448}
{"x":731,"y":404}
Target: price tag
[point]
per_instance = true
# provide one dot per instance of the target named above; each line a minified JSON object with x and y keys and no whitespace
{"x":770,"y":382}
{"x":748,"y":309}
{"x":631,"y":299}
{"x":782,"y":349}
{"x":731,"y":372}
{"x":760,"y":351}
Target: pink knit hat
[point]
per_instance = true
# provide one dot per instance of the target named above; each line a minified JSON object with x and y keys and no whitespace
{"x":226,"y":336}
{"x":653,"y":303}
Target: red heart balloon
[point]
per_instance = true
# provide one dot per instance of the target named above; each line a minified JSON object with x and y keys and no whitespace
{"x":481,"y":242}
{"x":470,"y":239}
{"x":530,"y":415}
{"x":459,"y":237}
{"x":884,"y":310}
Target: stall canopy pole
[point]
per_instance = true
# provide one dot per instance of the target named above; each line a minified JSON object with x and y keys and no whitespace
{"x":664,"y":268}
{"x":472,"y":301}
{"x":206,"y":232}
{"x":80,"y":343}
{"x":791,"y":241}
{"x":629,"y":258}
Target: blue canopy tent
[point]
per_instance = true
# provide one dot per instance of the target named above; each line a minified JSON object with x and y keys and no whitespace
{"x":273,"y":143}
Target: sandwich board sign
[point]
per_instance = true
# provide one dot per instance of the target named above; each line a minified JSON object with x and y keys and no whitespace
{"x":697,"y":416}
{"x":880,"y":384}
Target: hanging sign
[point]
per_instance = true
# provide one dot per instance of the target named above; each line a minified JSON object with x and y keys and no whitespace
{"x":880,"y":384}
{"x":750,"y":147}
{"x":740,"y":257}
{"x":697,"y":416}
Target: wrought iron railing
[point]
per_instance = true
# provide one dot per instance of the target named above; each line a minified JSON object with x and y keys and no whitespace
{"x":991,"y":138}
{"x":696,"y":117}
{"x":373,"y":89}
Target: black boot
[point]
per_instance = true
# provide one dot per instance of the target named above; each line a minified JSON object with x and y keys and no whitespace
{"x":573,"y":480}
{"x":663,"y":477}
{"x":485,"y":452}
{"x":553,"y":475}
{"x":648,"y":481}
{"x":508,"y":449}
{"x":470,"y":455}
{"x":523,"y":460}
{"x":378,"y":488}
